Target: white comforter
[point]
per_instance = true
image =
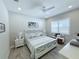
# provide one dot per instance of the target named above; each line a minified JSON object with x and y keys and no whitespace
{"x":38,"y":41}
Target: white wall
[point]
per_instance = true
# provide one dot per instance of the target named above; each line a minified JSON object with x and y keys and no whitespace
{"x":74,"y":22}
{"x":19,"y":22}
{"x":4,"y":37}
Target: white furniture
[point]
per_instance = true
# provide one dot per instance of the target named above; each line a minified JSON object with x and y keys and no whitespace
{"x":39,"y":45}
{"x":69,"y":51}
{"x":19,"y":42}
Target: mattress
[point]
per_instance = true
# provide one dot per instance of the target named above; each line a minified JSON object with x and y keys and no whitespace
{"x":41,"y":40}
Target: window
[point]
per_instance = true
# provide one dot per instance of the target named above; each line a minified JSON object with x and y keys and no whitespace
{"x":61,"y":26}
{"x":54,"y":27}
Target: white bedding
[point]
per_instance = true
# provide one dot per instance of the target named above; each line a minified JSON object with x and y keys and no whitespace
{"x":37,"y":42}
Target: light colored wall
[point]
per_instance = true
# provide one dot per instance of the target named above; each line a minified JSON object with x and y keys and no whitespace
{"x":74,"y":22}
{"x":19,"y":22}
{"x":4,"y":37}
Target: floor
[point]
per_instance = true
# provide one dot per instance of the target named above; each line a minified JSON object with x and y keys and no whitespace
{"x":23,"y":53}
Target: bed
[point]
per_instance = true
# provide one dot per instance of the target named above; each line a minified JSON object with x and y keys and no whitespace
{"x":38,"y":43}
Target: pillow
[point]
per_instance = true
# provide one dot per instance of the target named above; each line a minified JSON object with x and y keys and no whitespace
{"x":32,"y":34}
{"x":74,"y":43}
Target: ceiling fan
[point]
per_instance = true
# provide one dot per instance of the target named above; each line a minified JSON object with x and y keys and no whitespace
{"x":44,"y":9}
{"x":16,"y":0}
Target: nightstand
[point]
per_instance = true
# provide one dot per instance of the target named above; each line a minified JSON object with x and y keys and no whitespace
{"x":60,"y":40}
{"x":19,"y":42}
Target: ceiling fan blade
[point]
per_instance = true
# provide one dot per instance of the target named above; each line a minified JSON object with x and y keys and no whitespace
{"x":47,"y":9}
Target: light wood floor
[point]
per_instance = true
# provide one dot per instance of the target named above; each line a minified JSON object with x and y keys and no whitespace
{"x":23,"y":53}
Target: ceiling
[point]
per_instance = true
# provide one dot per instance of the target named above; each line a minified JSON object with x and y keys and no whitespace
{"x":34,"y":8}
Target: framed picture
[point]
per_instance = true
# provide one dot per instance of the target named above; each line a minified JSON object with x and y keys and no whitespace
{"x":2,"y":27}
{"x":33,"y":24}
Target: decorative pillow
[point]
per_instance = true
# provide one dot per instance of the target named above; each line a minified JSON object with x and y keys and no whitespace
{"x":39,"y":34}
{"x":31,"y":35}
